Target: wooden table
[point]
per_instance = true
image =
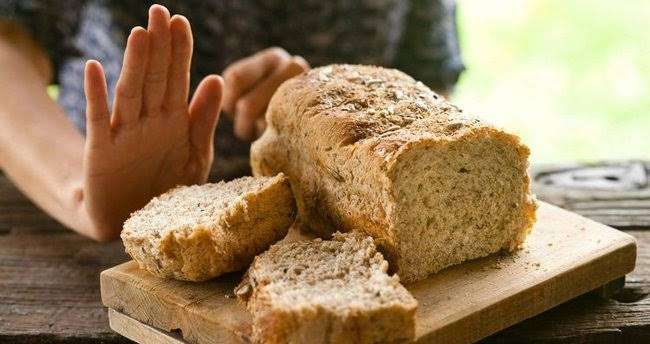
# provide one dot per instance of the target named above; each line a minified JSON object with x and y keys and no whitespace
{"x":49,"y":276}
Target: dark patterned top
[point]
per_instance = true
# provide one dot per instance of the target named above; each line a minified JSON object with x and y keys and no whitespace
{"x":417,"y":36}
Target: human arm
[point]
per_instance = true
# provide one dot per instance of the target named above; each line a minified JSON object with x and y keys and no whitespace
{"x":150,"y":140}
{"x":40,"y":149}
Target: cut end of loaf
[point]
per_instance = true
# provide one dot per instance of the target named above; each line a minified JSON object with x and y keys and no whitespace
{"x":463,"y":199}
{"x":202,"y":231}
{"x":327,"y":291}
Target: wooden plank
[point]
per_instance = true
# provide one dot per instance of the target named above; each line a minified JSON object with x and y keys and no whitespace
{"x":49,"y":277}
{"x":49,"y":286}
{"x":203,"y":312}
{"x":143,"y":333}
{"x":49,"y":289}
{"x":565,"y":256}
{"x":614,"y":193}
{"x":140,"y":332}
{"x":622,"y":318}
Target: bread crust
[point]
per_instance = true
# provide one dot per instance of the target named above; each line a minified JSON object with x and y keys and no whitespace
{"x":227,"y":243}
{"x":341,"y":133}
{"x":390,"y":320}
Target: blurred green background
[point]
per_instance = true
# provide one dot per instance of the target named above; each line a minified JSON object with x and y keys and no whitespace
{"x":571,"y":77}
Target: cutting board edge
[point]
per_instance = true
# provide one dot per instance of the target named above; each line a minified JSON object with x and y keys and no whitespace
{"x":177,"y":316}
{"x":138,"y":331}
{"x":626,"y":249}
{"x":619,"y":257}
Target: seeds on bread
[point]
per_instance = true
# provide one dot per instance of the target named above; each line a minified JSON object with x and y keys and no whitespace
{"x":370,"y":149}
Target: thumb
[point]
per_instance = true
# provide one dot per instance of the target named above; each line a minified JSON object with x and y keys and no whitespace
{"x":204,"y":113}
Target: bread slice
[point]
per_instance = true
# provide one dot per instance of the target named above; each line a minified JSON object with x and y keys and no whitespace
{"x":199,"y":232}
{"x":370,"y":149}
{"x":320,"y":291}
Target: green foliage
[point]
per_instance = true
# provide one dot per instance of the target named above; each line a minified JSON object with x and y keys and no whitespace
{"x":572,"y":77}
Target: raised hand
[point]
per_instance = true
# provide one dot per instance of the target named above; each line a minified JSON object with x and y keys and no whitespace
{"x":152,"y":139}
{"x":250,"y":83}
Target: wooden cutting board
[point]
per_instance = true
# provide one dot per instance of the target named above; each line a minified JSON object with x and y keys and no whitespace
{"x":566,"y":255}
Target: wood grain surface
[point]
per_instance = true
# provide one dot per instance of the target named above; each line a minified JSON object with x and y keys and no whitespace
{"x":565,"y":256}
{"x":49,"y":276}
{"x":49,"y":289}
{"x":613,"y":193}
{"x":140,"y":332}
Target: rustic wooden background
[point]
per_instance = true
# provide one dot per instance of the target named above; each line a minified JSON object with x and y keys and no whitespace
{"x":49,"y":276}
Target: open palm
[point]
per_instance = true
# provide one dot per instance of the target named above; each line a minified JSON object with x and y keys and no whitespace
{"x":152,"y":139}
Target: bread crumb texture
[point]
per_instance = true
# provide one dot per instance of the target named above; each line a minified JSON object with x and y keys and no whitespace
{"x":327,"y":291}
{"x":370,"y":149}
{"x":202,"y":231}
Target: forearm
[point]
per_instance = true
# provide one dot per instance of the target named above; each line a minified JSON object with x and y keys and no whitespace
{"x":40,"y":149}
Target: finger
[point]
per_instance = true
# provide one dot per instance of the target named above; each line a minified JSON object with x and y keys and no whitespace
{"x":260,"y":126}
{"x":300,"y":61}
{"x":159,"y":57}
{"x":242,"y":75}
{"x":204,"y":113}
{"x":98,"y":117}
{"x":178,"y":82}
{"x":128,"y":94}
{"x":252,"y":105}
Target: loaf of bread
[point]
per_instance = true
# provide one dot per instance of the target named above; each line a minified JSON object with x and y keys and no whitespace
{"x":320,"y":291}
{"x":371,"y":150}
{"x":199,"y":232}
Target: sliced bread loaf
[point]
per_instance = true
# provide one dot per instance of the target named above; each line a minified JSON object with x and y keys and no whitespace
{"x":322,"y":291}
{"x":370,"y":149}
{"x":202,"y":231}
